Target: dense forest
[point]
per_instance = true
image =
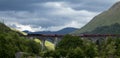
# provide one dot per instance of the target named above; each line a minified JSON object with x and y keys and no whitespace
{"x":11,"y":43}
{"x":69,"y":47}
{"x":76,"y":47}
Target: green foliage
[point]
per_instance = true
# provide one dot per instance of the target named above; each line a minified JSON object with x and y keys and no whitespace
{"x":76,"y":53}
{"x":91,"y":50}
{"x":117,"y":44}
{"x":68,"y":47}
{"x":11,"y":43}
{"x":70,"y":42}
{"x":75,"y":47}
{"x":109,"y":48}
{"x":5,"y":47}
{"x":34,"y":47}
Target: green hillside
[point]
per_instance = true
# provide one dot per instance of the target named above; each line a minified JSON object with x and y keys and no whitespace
{"x":11,"y":42}
{"x":106,"y":18}
{"x":112,"y":29}
{"x":4,"y":28}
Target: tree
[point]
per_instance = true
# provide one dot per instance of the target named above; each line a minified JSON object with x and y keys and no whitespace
{"x":76,"y":53}
{"x":117,"y":44}
{"x":34,"y":47}
{"x":77,"y":47}
{"x":108,"y":48}
{"x":70,"y":42}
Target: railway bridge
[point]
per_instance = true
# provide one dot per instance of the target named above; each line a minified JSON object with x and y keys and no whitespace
{"x":55,"y":37}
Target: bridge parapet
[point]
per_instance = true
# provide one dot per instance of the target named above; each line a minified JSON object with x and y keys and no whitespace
{"x":82,"y":35}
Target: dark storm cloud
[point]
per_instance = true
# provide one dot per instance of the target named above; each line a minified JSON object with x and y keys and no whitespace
{"x":35,"y":15}
{"x":92,"y":5}
{"x":18,"y":5}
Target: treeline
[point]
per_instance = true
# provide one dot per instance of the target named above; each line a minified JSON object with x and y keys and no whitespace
{"x":76,"y":47}
{"x":11,"y":43}
{"x":68,"y":47}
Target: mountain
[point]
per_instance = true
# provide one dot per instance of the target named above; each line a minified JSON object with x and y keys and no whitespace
{"x":106,"y":18}
{"x":61,"y":32}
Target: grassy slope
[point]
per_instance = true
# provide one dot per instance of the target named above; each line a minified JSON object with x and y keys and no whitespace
{"x":23,"y":33}
{"x":50,"y":46}
{"x":106,"y":18}
{"x":5,"y":28}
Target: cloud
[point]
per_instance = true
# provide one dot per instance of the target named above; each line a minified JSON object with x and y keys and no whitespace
{"x":53,"y":15}
{"x":58,"y":17}
{"x":23,"y":5}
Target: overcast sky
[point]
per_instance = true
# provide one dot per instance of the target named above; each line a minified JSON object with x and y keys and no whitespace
{"x":52,"y":15}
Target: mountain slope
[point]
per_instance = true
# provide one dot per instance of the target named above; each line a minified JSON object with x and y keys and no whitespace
{"x":6,"y":29}
{"x":63,"y":31}
{"x":112,"y":29}
{"x":106,"y":18}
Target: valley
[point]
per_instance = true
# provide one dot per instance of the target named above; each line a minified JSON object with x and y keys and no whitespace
{"x":99,"y":38}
